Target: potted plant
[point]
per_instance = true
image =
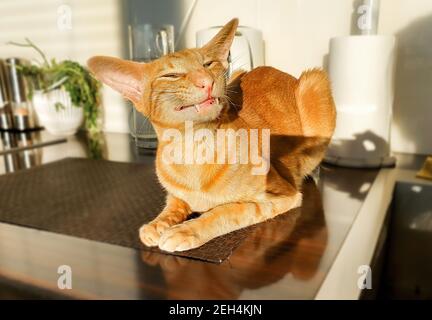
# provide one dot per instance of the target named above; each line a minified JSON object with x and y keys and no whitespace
{"x":64,"y":94}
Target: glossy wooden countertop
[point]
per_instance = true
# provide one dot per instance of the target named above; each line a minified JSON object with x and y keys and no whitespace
{"x":287,"y":258}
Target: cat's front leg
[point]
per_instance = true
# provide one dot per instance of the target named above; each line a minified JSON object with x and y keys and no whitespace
{"x":175,"y":211}
{"x":224,"y":219}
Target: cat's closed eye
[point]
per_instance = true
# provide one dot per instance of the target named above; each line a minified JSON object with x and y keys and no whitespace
{"x":172,"y":76}
{"x":209,"y":64}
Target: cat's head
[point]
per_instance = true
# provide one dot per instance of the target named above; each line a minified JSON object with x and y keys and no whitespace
{"x":185,"y":85}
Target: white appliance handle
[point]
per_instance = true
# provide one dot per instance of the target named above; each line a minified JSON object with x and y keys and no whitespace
{"x":249,"y":48}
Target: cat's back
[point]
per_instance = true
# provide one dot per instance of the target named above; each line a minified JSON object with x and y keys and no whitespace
{"x":263,"y":76}
{"x":274,"y":99}
{"x":268,"y":99}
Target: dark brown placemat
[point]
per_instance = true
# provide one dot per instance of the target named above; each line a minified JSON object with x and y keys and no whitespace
{"x":95,"y":199}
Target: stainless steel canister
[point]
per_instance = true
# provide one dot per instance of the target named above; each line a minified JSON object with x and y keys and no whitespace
{"x":23,"y":116}
{"x":6,"y":120}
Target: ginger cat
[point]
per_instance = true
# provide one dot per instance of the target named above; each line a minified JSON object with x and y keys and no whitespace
{"x":191,"y":86}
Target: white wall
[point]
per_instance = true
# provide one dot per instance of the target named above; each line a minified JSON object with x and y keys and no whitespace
{"x":411,"y":22}
{"x":296,"y":34}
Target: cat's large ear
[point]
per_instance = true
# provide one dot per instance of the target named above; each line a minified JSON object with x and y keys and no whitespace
{"x":126,"y":77}
{"x":219,"y":46}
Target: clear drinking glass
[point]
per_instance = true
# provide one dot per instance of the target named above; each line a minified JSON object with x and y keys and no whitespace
{"x":146,"y":43}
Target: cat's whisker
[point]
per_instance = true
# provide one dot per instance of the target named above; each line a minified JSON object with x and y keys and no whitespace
{"x":239,"y":68}
{"x":164,"y":99}
{"x":230,"y":90}
{"x":230,"y":102}
{"x":235,"y":59}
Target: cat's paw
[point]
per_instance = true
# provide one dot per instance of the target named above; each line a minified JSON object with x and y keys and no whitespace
{"x":181,"y":237}
{"x":164,"y":261}
{"x":150,"y":233}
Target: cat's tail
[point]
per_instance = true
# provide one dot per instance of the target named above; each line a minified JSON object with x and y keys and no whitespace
{"x":315,"y":104}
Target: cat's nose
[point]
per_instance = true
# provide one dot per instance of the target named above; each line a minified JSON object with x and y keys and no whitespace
{"x":202,"y":81}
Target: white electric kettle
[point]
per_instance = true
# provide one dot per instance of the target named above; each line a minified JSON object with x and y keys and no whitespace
{"x":247,"y":49}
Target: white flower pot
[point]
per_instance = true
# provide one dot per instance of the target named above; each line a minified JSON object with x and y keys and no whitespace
{"x":62,"y":121}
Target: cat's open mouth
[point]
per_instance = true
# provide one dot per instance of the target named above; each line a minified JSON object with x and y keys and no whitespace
{"x":200,"y":106}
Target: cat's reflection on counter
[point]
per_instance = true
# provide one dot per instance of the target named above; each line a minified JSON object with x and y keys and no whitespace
{"x":290,"y":245}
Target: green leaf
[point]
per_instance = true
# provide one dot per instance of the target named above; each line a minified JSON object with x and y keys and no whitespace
{"x":83,"y":89}
{"x":59,"y":106}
